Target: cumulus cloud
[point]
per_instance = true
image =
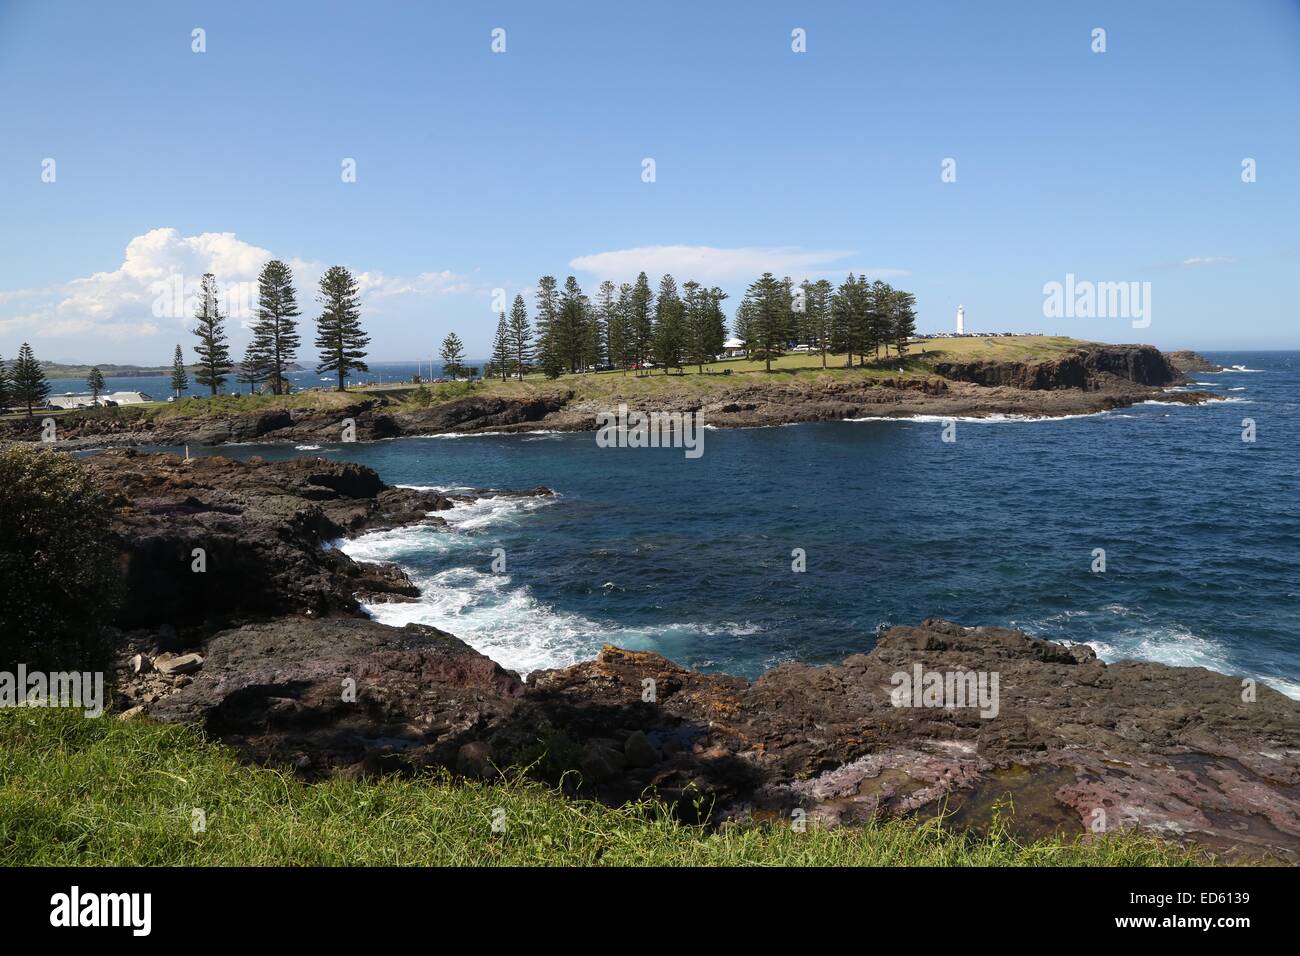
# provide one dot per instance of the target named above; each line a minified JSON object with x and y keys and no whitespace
{"x":379,"y":285}
{"x":710,"y":264}
{"x":153,"y":289}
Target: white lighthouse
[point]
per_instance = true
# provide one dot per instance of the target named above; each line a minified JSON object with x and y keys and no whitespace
{"x":961,"y":320}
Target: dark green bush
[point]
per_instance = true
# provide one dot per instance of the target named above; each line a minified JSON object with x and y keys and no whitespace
{"x":57,"y":565}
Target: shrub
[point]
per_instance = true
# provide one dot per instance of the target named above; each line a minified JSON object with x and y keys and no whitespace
{"x":57,"y":564}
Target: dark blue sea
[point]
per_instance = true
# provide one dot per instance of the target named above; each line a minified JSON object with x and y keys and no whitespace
{"x":693,"y":558}
{"x":159,"y":388}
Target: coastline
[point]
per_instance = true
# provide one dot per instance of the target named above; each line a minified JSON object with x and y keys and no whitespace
{"x":1204,"y":765}
{"x":1085,"y":380}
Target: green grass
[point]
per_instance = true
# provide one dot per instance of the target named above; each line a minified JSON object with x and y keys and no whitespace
{"x":619,"y":385}
{"x":76,"y":791}
{"x":790,"y":368}
{"x":219,"y":406}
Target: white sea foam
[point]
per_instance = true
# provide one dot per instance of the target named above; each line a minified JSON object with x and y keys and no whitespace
{"x":491,"y":612}
{"x":1133,"y":635}
{"x":994,"y":419}
{"x":306,"y":447}
{"x":484,"y":512}
{"x":441,"y":489}
{"x":537,"y":431}
{"x":498,"y":618}
{"x":505,"y":621}
{"x":403,"y":543}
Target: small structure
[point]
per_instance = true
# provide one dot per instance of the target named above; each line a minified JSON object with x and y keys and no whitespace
{"x":733,"y":348}
{"x":85,"y":400}
{"x":961,"y":320}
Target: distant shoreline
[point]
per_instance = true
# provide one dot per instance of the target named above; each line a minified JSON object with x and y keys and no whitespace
{"x":56,"y":371}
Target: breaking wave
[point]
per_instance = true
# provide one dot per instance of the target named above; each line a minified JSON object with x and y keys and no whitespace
{"x":1123,"y":634}
{"x":491,"y":612}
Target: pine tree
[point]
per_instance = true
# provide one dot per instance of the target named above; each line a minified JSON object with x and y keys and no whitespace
{"x":705,"y":327}
{"x":547,"y":300}
{"x":815,"y":329}
{"x":453,"y":356}
{"x":501,"y":349}
{"x":768,"y":316}
{"x":180,"y":378}
{"x":521,"y":336}
{"x":745,"y":322}
{"x":255,"y":367}
{"x":212,"y":351}
{"x":715,"y":322}
{"x":669,"y":318}
{"x":851,"y":319}
{"x":339,"y":336}
{"x":95,"y":382}
{"x":794,"y":313}
{"x":641,"y":321}
{"x":570,"y":330}
{"x":275,"y":333}
{"x":6,"y":386}
{"x":692,"y":324}
{"x":29,"y":385}
{"x":607,"y":322}
{"x":880,"y":299}
{"x":903,"y":320}
{"x":619,"y":335}
{"x":841,"y":338}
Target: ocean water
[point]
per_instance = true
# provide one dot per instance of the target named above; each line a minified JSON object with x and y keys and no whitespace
{"x":693,"y":558}
{"x":159,"y":387}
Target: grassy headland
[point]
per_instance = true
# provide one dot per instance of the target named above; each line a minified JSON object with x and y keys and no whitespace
{"x":918,"y":363}
{"x":78,"y":792}
{"x":706,"y":383}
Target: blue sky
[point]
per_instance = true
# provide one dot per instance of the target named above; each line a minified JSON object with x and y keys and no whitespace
{"x":479,"y":171}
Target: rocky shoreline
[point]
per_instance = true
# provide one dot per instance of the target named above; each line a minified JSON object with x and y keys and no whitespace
{"x":269,"y":650}
{"x":1083,"y":381}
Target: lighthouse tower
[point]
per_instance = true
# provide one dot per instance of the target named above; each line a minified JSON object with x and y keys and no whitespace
{"x":961,"y":320}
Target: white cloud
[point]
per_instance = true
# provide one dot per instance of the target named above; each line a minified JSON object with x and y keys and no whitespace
{"x":140,"y":298}
{"x":378,"y":285}
{"x":1208,"y":260}
{"x":710,"y":264}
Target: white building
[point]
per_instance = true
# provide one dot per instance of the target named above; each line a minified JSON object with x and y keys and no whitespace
{"x":71,"y":400}
{"x":961,"y":320}
{"x":733,"y":348}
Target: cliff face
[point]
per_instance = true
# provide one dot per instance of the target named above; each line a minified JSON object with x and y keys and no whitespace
{"x":1072,"y":741}
{"x":260,"y":526}
{"x":1090,"y":368}
{"x":1187,"y":361}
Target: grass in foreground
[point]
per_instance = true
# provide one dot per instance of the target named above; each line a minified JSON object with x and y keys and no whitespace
{"x":81,"y":792}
